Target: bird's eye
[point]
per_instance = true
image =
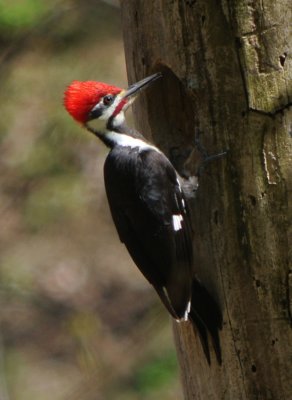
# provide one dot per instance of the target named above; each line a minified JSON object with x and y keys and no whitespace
{"x":108,"y":99}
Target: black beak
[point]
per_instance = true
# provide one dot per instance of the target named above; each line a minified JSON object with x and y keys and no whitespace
{"x":136,"y":87}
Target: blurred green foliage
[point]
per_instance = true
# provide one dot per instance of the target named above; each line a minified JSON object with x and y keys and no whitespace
{"x":78,"y":321}
{"x":19,"y":14}
{"x":156,"y":373}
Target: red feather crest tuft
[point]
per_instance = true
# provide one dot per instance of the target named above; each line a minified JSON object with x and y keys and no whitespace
{"x":81,"y":97}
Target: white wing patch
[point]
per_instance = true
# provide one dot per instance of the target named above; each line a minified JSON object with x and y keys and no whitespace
{"x":186,"y":314}
{"x":180,"y":189}
{"x":188,"y":309}
{"x":176,"y":222}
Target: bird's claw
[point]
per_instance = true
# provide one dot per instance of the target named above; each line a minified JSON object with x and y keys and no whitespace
{"x":205,"y":156}
{"x":206,"y":161}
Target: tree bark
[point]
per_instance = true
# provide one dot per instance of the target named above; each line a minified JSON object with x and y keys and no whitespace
{"x":227,"y":70}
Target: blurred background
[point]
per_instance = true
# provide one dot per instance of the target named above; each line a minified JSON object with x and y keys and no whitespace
{"x":78,"y":321}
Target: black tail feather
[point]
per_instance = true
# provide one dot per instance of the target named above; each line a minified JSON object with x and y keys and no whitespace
{"x":207,"y":318}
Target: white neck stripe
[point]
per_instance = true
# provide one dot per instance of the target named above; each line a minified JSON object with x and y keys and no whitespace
{"x":123,"y":140}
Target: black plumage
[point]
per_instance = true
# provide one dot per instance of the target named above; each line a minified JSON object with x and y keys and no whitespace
{"x":144,"y":194}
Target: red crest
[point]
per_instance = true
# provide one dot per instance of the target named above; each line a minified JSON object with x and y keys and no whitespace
{"x":81,"y":97}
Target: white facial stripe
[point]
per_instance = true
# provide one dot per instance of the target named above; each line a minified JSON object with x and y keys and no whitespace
{"x":119,"y":119}
{"x":128,"y":141}
{"x":108,"y":112}
{"x":176,"y":222}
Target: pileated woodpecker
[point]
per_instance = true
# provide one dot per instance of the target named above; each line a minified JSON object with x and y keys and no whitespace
{"x":148,"y":205}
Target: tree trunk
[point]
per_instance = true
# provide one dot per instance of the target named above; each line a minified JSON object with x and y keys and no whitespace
{"x":226,"y":70}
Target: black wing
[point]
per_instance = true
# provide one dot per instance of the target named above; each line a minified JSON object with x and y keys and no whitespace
{"x":151,"y":217}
